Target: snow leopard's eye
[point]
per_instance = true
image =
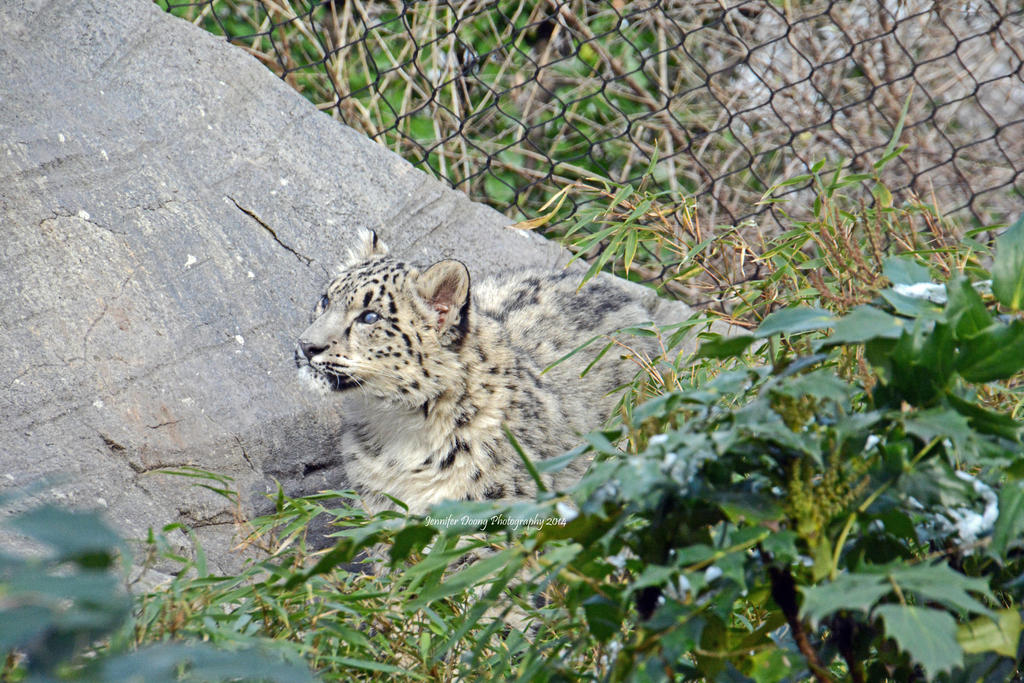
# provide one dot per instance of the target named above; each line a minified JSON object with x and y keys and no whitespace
{"x":368,"y":317}
{"x":321,"y":305}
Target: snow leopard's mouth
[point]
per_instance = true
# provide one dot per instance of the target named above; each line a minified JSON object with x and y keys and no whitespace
{"x":335,"y":381}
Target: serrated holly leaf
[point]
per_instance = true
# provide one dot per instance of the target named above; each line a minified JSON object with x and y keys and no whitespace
{"x":819,"y":384}
{"x":782,"y":546}
{"x":939,"y":423}
{"x":927,"y":635}
{"x":1000,"y":634}
{"x":1008,"y":267}
{"x":938,"y":583}
{"x":856,"y":592}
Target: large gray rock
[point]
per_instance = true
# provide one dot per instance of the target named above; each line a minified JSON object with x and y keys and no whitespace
{"x":170,"y":211}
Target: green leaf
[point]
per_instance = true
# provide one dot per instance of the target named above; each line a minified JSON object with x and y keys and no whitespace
{"x":898,"y":524}
{"x":748,"y":506}
{"x":720,"y":346}
{"x":559,"y":462}
{"x":88,"y":588}
{"x":770,"y":666}
{"x":965,"y":310}
{"x":782,"y":546}
{"x":343,"y":551}
{"x":939,"y":583}
{"x":455,"y":583}
{"x":819,"y":384}
{"x":891,"y":149}
{"x":921,"y":364}
{"x":793,"y":321}
{"x":410,"y":539}
{"x":166,"y":661}
{"x":758,"y":422}
{"x":939,"y":422}
{"x":79,"y":536}
{"x":864,"y":323}
{"x":1009,"y":527}
{"x":1008,"y":268}
{"x":370,"y":665}
{"x":652,"y":575}
{"x":984,"y":420}
{"x":572,"y":353}
{"x":631,"y":245}
{"x":603,"y":616}
{"x":995,"y":353}
{"x":525,"y":458}
{"x":21,"y":624}
{"x":927,"y":635}
{"x":984,"y":634}
{"x":882,"y":195}
{"x":904,"y":270}
{"x":601,"y":442}
{"x":856,"y":592}
{"x":911,"y":306}
{"x":1015,"y":470}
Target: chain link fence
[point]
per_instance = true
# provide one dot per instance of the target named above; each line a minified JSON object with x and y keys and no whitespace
{"x":511,"y":100}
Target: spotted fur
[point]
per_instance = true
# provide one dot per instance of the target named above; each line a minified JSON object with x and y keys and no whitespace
{"x":436,"y":370}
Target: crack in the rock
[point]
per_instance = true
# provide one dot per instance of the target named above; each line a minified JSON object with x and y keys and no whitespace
{"x":56,"y":214}
{"x":216,"y":519}
{"x":146,"y":469}
{"x":164,"y":424}
{"x":259,"y":221}
{"x":96,"y":320}
{"x":162,"y":204}
{"x":245,"y":455}
{"x":112,"y":445}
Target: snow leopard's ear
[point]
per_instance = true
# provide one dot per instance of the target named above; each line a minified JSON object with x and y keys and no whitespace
{"x":366,"y":245}
{"x":444,"y":287}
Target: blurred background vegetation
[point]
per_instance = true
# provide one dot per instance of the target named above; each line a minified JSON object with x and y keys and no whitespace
{"x":511,"y":100}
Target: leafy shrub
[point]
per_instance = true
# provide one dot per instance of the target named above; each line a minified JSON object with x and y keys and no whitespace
{"x":58,"y":605}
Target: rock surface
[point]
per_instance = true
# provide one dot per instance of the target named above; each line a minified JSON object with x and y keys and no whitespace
{"x":170,"y":211}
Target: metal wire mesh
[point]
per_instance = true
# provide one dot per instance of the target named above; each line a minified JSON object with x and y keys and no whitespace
{"x":509,"y":100}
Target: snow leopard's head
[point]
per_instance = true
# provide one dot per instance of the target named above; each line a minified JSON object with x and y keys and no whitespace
{"x":386,"y":327}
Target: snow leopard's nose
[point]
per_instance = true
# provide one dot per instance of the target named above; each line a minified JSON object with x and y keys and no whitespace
{"x":310,"y":349}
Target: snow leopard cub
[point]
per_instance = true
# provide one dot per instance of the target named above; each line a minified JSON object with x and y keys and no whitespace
{"x":436,"y":365}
